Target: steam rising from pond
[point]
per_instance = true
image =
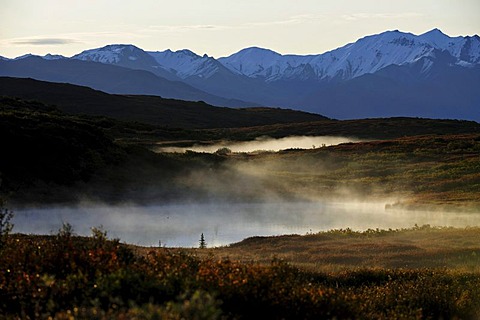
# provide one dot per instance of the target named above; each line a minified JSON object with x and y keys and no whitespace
{"x":240,"y":197}
{"x":225,"y":223}
{"x":265,"y":144}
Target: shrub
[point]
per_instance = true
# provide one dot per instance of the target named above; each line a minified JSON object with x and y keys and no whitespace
{"x":223,"y":151}
{"x":67,"y":276}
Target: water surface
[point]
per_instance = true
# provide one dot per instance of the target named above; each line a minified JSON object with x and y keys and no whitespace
{"x":265,"y":144}
{"x":225,"y":223}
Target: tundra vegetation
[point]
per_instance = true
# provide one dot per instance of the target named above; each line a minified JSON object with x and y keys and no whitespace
{"x":424,"y":272}
{"x":64,"y":276}
{"x":65,"y":158}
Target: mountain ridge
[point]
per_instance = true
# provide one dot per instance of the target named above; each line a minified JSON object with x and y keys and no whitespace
{"x":257,"y":76}
{"x":459,"y":47}
{"x":109,"y":78}
{"x":398,"y":47}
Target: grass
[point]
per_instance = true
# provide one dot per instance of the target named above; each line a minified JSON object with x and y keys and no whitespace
{"x":441,"y":172}
{"x":64,"y":276}
{"x":417,"y":248}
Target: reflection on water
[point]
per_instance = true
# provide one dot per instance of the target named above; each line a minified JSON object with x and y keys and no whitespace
{"x":225,"y":223}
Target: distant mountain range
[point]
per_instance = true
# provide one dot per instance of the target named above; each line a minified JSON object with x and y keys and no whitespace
{"x":388,"y":74}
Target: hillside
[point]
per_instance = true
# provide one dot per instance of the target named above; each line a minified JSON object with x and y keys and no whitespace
{"x":41,"y":145}
{"x":154,"y":110}
{"x":163,"y":118}
{"x":374,"y":128}
{"x":51,"y":157}
{"x":65,"y":158}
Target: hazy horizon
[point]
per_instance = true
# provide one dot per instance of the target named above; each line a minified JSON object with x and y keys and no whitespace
{"x":282,"y":53}
{"x":220,"y":29}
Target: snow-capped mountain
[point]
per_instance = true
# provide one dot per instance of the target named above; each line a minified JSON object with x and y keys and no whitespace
{"x":367,"y":55}
{"x":253,"y":62}
{"x":185,"y":63}
{"x":125,"y":55}
{"x":208,"y":74}
{"x":28,"y":55}
{"x":391,"y":73}
{"x":115,"y":54}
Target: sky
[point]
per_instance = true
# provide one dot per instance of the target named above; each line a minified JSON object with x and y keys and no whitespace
{"x":220,"y":27}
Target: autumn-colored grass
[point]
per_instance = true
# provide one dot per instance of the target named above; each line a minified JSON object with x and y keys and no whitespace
{"x":441,"y":172}
{"x":68,"y":277}
{"x":416,"y":248}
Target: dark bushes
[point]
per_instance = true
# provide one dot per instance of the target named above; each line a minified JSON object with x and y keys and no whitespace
{"x":96,"y":278}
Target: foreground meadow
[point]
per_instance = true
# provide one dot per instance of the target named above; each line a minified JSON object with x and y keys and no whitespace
{"x":419,"y":273}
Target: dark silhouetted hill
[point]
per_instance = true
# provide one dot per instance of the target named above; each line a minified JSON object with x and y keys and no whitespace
{"x":154,"y":110}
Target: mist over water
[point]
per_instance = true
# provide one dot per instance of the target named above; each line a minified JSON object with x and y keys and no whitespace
{"x":266,"y":144}
{"x":241,"y":198}
{"x":224,"y":223}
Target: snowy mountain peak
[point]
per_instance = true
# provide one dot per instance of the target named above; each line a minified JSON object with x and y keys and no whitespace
{"x":256,"y":50}
{"x":28,"y":55}
{"x":437,"y":38}
{"x":254,"y":53}
{"x":252,"y":62}
{"x":185,"y":63}
{"x":367,"y":55}
{"x":120,"y":47}
{"x":434,"y":33}
{"x":113,"y":54}
{"x":188,"y":53}
{"x":49,"y":56}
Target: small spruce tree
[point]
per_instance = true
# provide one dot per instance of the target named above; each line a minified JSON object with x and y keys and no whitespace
{"x":5,"y":225}
{"x":203,"y":244}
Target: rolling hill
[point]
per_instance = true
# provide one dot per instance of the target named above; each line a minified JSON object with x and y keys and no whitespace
{"x":148,"y":109}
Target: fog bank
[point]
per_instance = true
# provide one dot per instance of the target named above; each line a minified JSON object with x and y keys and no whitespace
{"x":265,"y":144}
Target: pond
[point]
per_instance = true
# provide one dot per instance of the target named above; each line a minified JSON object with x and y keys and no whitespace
{"x":181,"y":225}
{"x":264,"y":144}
